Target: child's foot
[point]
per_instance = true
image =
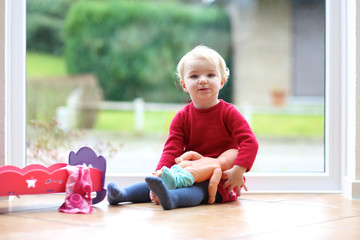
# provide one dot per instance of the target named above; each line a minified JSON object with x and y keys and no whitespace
{"x":161,"y":191}
{"x":114,"y":195}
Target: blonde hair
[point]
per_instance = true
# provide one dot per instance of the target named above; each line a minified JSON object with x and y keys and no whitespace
{"x":206,"y":53}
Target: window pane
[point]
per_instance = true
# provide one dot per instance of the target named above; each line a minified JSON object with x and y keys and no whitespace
{"x":274,"y":49}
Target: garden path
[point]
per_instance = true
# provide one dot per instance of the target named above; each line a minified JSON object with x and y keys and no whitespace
{"x":141,"y":154}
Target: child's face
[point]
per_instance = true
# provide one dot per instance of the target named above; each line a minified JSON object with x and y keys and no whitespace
{"x":203,"y":81}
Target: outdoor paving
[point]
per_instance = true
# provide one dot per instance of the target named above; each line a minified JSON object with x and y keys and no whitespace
{"x":141,"y":155}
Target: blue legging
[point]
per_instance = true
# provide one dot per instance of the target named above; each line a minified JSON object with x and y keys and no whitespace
{"x":169,"y":199}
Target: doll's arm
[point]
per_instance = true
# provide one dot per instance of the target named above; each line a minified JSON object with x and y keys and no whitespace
{"x":188,"y":156}
{"x":213,"y":184}
{"x":157,"y":173}
{"x":227,"y":159}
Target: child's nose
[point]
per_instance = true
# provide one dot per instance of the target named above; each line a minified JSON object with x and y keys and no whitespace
{"x":202,"y":80}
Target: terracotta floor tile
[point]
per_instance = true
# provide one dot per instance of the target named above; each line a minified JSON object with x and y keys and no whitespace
{"x":258,"y":216}
{"x":19,"y":227}
{"x":308,"y":232}
{"x":328,"y":200}
{"x":31,"y":202}
{"x":274,"y":197}
{"x":349,"y":223}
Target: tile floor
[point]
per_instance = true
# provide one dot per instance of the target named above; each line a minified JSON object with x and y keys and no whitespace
{"x":253,"y":216}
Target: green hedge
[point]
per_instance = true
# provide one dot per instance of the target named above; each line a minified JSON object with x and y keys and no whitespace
{"x":134,"y":47}
{"x":45,"y":25}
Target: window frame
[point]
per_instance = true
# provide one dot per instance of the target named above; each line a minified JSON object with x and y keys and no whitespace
{"x":15,"y":82}
{"x":329,"y":181}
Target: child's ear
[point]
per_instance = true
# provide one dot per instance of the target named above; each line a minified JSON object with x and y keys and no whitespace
{"x":183,"y":86}
{"x":223,"y":81}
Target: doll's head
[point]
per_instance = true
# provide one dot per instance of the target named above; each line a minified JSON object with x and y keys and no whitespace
{"x":203,"y":52}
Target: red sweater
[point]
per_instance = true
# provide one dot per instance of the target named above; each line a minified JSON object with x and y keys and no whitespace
{"x":210,"y":132}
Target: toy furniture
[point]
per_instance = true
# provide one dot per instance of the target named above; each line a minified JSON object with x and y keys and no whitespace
{"x":37,"y":179}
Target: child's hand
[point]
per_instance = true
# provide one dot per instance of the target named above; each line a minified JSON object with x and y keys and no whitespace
{"x":235,"y":178}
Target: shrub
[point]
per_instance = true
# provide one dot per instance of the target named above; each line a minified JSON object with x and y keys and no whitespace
{"x":45,"y":25}
{"x":134,"y":47}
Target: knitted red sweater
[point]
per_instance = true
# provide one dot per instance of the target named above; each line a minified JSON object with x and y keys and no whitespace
{"x":210,"y":132}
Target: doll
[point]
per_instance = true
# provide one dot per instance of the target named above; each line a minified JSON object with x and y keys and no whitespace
{"x":193,"y":167}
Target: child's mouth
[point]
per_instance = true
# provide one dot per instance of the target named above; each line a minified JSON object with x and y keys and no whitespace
{"x":203,"y":89}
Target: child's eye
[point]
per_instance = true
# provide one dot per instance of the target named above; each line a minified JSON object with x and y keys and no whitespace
{"x":194,"y":76}
{"x":211,"y":75}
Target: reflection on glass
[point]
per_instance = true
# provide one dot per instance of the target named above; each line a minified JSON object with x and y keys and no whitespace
{"x":106,"y":80}
{"x":280,"y":77}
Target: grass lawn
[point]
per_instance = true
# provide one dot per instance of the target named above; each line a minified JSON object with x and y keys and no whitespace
{"x":124,"y":121}
{"x":288,"y":125}
{"x":39,"y":65}
{"x":262,"y":124}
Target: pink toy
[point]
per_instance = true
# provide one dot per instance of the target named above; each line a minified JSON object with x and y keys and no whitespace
{"x":37,"y":179}
{"x":78,"y":191}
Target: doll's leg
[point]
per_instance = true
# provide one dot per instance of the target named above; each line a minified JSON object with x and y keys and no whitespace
{"x":169,"y":178}
{"x":136,"y":193}
{"x":177,"y":177}
{"x":181,"y":197}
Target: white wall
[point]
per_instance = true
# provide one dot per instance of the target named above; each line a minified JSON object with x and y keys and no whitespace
{"x":357,"y":76}
{"x":350,"y":77}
